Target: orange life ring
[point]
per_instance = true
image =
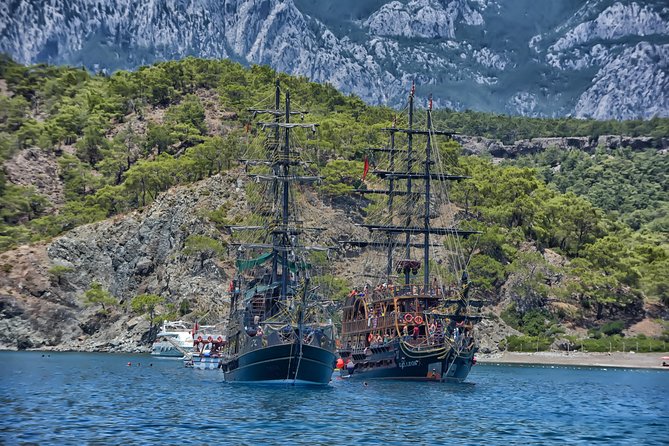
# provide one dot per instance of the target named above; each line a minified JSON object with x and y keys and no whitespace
{"x":418,"y":319}
{"x":408,"y":317}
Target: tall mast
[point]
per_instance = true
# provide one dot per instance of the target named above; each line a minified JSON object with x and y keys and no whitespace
{"x":286,"y":166}
{"x":411,"y":226}
{"x":278,"y":151}
{"x":275,"y":143}
{"x":391,"y":189}
{"x":428,"y":155}
{"x":409,"y":166}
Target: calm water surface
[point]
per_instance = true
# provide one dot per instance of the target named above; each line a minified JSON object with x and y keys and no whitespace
{"x":84,"y":398}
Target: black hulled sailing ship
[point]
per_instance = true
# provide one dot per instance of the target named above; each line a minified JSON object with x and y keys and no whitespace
{"x":277,"y":331}
{"x":416,"y":322}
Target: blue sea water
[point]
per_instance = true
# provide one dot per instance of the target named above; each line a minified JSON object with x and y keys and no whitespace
{"x":85,"y":398}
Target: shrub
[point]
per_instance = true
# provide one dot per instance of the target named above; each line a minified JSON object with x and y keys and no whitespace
{"x":525,"y":343}
{"x":613,"y":328}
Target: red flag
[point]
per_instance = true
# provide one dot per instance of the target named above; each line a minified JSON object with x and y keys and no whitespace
{"x":366,"y":169}
{"x":196,"y":327}
{"x":413,"y":88}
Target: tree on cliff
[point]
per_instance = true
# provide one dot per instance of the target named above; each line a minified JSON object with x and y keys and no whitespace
{"x":97,"y":295}
{"x":205,"y":247}
{"x":147,"y":303}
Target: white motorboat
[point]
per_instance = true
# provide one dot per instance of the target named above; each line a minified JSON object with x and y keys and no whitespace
{"x":174,"y":339}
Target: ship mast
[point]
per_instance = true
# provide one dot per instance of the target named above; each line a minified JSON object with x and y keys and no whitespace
{"x":285,"y":210}
{"x":274,"y":145}
{"x":391,"y":189}
{"x":279,"y":158}
{"x":409,"y":166}
{"x":428,"y":161}
{"x":427,"y":176}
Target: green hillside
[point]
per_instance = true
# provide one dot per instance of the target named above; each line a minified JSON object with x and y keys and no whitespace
{"x":120,"y":140}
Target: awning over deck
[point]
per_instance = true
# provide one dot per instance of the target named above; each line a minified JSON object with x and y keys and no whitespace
{"x":243,"y":265}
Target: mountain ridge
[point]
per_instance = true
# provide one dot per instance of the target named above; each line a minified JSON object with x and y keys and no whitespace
{"x":574,"y":61}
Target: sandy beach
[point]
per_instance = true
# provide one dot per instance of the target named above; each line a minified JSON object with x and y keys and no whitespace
{"x":615,"y":359}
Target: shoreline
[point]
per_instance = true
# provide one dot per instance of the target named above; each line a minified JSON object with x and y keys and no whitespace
{"x":627,"y":360}
{"x":578,"y":359}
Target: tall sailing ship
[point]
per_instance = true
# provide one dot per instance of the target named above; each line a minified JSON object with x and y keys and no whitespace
{"x":416,"y":320}
{"x":277,"y":331}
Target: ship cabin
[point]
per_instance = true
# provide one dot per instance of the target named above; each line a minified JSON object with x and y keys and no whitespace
{"x":424,"y":319}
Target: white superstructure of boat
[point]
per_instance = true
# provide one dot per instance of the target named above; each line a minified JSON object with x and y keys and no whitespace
{"x":174,"y":339}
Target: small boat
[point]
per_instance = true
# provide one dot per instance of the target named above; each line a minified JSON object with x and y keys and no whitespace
{"x":206,"y":354}
{"x":278,"y":331}
{"x":416,"y":321}
{"x":173,"y":340}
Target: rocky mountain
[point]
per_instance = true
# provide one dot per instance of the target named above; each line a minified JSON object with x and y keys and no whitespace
{"x":141,"y":252}
{"x":596,"y":58}
{"x":42,"y":286}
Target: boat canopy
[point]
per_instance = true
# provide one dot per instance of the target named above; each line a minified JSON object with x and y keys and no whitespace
{"x":243,"y":265}
{"x":261,"y":289}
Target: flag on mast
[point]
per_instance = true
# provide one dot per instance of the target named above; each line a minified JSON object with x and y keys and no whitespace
{"x":365,"y":170}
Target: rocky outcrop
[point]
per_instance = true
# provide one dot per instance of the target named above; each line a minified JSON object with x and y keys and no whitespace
{"x":625,"y":43}
{"x":614,"y":92}
{"x":475,"y":145}
{"x":615,"y":22}
{"x":42,"y":287}
{"x":141,"y":252}
{"x":422,"y":18}
{"x":490,"y":332}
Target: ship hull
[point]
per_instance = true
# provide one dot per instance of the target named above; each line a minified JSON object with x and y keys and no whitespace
{"x":203,"y":362}
{"x":282,"y":364}
{"x":397,"y":362}
{"x":167,"y":350}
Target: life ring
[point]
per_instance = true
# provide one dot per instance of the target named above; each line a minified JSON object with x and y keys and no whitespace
{"x":408,"y":317}
{"x":418,"y":319}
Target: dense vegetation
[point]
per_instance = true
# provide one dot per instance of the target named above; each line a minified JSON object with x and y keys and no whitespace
{"x":628,"y":184}
{"x":512,"y":128}
{"x":120,"y":140}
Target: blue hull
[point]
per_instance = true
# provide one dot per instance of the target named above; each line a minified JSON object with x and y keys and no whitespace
{"x":396,"y":361}
{"x":282,"y":364}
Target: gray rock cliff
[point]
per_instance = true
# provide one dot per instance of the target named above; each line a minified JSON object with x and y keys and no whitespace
{"x":599,"y":58}
{"x":141,"y":252}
